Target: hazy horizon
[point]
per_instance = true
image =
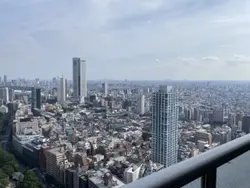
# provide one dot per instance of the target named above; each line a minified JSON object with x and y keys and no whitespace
{"x":131,"y":80}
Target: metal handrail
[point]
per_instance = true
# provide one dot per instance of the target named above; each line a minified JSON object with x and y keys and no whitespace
{"x":203,"y":165}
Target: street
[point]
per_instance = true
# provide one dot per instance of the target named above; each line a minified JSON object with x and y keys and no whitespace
{"x":6,"y":135}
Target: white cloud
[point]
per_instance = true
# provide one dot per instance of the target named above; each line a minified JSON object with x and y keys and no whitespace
{"x":118,"y":35}
{"x":237,"y":59}
{"x":244,"y":19}
{"x":187,"y":59}
{"x":211,"y":58}
{"x":241,"y":57}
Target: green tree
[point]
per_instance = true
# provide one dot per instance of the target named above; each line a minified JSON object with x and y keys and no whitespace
{"x":8,"y":164}
{"x":30,"y":180}
{"x":14,"y":165}
{"x":86,"y":176}
{"x":4,"y":179}
{"x":7,"y":159}
{"x":8,"y":169}
{"x":39,"y":185}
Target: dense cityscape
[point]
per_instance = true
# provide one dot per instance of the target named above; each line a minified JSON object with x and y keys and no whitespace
{"x":103,"y":134}
{"x":124,"y":94}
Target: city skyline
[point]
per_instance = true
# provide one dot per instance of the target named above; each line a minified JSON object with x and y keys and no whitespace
{"x":154,"y":40}
{"x":125,"y":133}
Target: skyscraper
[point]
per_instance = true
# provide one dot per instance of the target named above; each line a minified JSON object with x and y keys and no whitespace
{"x":36,"y":98}
{"x":141,"y":105}
{"x":105,"y":88}
{"x":62,"y":90}
{"x":164,"y":126}
{"x":66,"y":87}
{"x":79,"y":78}
{"x":5,"y":79}
{"x":246,"y":124}
{"x":4,"y":94}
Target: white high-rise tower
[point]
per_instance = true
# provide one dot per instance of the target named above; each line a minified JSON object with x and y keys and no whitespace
{"x":164,"y":126}
{"x":62,"y":90}
{"x":79,"y":78}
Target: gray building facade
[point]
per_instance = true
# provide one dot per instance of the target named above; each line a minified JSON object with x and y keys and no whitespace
{"x":36,"y":98}
{"x":165,"y":126}
{"x":79,"y":77}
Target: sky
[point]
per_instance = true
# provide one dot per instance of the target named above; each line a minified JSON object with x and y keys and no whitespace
{"x":126,"y":39}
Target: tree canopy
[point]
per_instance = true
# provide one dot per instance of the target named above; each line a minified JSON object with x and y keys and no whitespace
{"x":8,"y":169}
{"x":8,"y":165}
{"x":30,"y":180}
{"x":4,"y":178}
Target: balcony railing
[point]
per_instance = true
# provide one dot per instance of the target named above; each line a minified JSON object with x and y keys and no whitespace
{"x":203,"y":166}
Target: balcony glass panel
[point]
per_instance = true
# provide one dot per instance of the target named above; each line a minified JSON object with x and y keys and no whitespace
{"x":194,"y":184}
{"x":236,"y":173}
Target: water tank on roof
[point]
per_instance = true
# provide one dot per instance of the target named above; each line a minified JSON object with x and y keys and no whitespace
{"x":107,"y":177}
